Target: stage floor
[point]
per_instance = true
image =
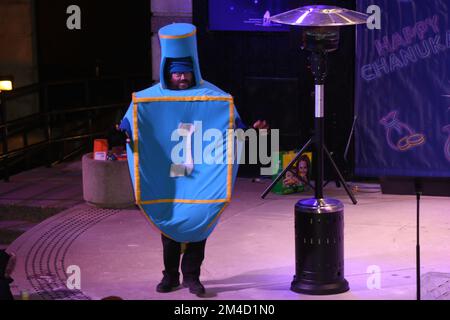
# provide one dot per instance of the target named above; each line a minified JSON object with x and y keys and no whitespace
{"x":250,"y":255}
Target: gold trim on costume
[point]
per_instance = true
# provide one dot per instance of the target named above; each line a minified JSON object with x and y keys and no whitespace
{"x":147,"y":217}
{"x":218,"y":215}
{"x":184,"y":201}
{"x":161,"y":36}
{"x":230,"y":150}
{"x":137,"y":180}
{"x":230,"y":145}
{"x":182,"y":99}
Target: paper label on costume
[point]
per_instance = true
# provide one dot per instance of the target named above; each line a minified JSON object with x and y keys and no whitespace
{"x":185,"y":169}
{"x":177,"y":170}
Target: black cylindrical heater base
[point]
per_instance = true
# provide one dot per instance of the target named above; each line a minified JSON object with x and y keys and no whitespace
{"x":319,"y":247}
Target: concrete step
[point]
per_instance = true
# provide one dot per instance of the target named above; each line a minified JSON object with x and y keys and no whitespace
{"x":36,"y":195}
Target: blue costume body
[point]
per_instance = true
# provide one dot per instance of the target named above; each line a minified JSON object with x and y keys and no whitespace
{"x":184,"y":200}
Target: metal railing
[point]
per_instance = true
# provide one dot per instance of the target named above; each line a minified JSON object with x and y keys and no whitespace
{"x":56,"y":126}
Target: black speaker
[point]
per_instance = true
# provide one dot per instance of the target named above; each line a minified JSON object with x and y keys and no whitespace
{"x":439,"y":187}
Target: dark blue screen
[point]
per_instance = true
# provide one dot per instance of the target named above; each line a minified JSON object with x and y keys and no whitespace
{"x":246,"y":15}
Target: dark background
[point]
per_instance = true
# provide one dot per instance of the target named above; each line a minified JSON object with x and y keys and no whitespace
{"x":266,"y":72}
{"x":268,"y":75}
{"x":85,"y":79}
{"x":114,"y":35}
{"x":114,"y":43}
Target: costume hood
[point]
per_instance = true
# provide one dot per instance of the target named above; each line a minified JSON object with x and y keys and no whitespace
{"x":179,"y":40}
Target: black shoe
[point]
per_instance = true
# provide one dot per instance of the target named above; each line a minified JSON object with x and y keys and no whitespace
{"x":168,"y":283}
{"x":195,"y":286}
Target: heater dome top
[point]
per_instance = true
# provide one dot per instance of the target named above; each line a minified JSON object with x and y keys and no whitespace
{"x":320,"y":16}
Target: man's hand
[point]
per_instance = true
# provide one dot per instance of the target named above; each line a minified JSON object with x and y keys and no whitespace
{"x":261,"y":124}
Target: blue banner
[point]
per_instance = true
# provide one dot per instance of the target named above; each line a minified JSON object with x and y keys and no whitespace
{"x":403,"y":90}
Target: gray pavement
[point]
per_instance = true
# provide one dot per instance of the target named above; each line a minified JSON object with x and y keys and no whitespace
{"x":32,"y":196}
{"x":250,"y":255}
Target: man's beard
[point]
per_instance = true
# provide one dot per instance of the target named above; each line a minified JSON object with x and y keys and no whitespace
{"x":184,"y":84}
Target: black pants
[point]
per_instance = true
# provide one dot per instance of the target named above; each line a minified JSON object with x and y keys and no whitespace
{"x":191,"y":262}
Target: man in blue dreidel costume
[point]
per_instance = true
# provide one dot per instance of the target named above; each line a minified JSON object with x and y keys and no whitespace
{"x":182,"y":188}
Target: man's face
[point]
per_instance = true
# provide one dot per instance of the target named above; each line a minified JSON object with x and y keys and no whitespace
{"x":181,"y":80}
